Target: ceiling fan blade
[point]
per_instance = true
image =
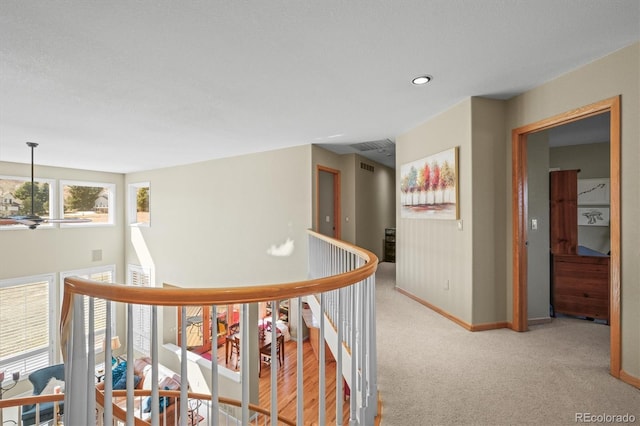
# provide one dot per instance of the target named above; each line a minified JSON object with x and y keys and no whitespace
{"x":66,"y":220}
{"x":27,"y":222}
{"x":33,"y":221}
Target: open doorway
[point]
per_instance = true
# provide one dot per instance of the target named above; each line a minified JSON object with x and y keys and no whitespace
{"x":520,"y":207}
{"x":328,"y":202}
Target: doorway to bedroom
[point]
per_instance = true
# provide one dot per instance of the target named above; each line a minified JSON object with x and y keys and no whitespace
{"x":568,"y":169}
{"x":524,"y":224}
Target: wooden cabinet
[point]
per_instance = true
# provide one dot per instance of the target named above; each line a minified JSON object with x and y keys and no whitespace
{"x":579,"y":284}
{"x":563,"y":211}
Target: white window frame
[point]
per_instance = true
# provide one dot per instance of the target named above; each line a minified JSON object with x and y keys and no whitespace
{"x":53,"y":206}
{"x":133,"y":204}
{"x":52,"y":335}
{"x":141,"y":338}
{"x":112,"y":202}
{"x":86,"y":273}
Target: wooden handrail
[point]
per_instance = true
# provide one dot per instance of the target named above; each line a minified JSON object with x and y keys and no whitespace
{"x":30,"y":400}
{"x":120,"y":414}
{"x":117,"y":411}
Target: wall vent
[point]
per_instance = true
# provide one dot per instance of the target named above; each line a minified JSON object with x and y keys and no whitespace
{"x":367,"y":167}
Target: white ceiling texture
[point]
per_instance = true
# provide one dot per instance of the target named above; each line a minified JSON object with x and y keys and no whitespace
{"x":125,"y":86}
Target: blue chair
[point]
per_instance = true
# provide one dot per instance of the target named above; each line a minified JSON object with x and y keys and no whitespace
{"x":39,"y":380}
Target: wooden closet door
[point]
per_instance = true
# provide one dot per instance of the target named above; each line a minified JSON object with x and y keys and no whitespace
{"x":563,"y":215}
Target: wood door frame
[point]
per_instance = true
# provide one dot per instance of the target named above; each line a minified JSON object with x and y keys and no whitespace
{"x":206,"y":331}
{"x":337,"y":233}
{"x":520,"y":219}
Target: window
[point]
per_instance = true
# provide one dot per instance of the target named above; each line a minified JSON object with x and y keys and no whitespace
{"x":104,"y":274}
{"x":15,"y":198}
{"x":27,"y":336}
{"x":91,"y":200}
{"x":140,"y":277}
{"x":139,"y":214}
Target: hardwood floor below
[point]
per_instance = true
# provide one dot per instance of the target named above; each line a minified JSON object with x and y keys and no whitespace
{"x":287,"y":382}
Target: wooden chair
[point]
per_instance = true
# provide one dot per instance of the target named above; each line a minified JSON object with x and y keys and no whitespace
{"x":235,"y":349}
{"x":265,"y":353}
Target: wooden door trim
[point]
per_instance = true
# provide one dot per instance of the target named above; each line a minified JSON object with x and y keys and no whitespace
{"x":336,"y":199}
{"x":519,"y":216}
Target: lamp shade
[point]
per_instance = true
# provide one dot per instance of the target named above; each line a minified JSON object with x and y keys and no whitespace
{"x":115,"y":343}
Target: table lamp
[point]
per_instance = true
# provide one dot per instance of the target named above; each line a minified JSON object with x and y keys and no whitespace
{"x":115,"y":344}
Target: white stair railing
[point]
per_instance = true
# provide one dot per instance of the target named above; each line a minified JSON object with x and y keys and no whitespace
{"x":340,"y":274}
{"x":350,"y":315}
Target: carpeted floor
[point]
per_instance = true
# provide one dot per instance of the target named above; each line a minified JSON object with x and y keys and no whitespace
{"x":433,"y":372}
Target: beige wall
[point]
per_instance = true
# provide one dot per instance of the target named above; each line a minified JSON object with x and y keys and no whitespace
{"x":29,"y":252}
{"x":375,"y":204}
{"x":616,"y":74}
{"x":432,"y":253}
{"x":468,"y":254}
{"x":538,"y":263}
{"x":486,"y":207}
{"x":213,"y":222}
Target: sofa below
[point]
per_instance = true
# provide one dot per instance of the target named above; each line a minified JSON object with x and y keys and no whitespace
{"x":167,"y":380}
{"x":40,"y":379}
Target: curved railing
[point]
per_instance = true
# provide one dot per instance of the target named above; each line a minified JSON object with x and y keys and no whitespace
{"x":342,"y":287}
{"x":120,"y":415}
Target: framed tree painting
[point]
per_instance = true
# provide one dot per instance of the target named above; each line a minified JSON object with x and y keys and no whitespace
{"x":429,"y":187}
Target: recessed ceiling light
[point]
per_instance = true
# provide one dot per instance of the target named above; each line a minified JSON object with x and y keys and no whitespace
{"x":422,"y":79}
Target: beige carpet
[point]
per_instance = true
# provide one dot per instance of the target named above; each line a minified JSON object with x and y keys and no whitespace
{"x":433,"y":372}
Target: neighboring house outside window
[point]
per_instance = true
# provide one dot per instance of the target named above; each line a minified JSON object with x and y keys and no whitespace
{"x":102,"y":204}
{"x":9,"y":205}
{"x":89,"y":200}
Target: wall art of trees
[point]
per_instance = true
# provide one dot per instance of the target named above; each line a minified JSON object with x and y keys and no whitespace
{"x":428,"y":187}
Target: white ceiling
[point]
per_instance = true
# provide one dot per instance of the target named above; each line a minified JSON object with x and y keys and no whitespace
{"x":126,"y":86}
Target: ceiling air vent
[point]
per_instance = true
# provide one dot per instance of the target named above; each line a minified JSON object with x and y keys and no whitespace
{"x":370,"y":146}
{"x":367,"y":167}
